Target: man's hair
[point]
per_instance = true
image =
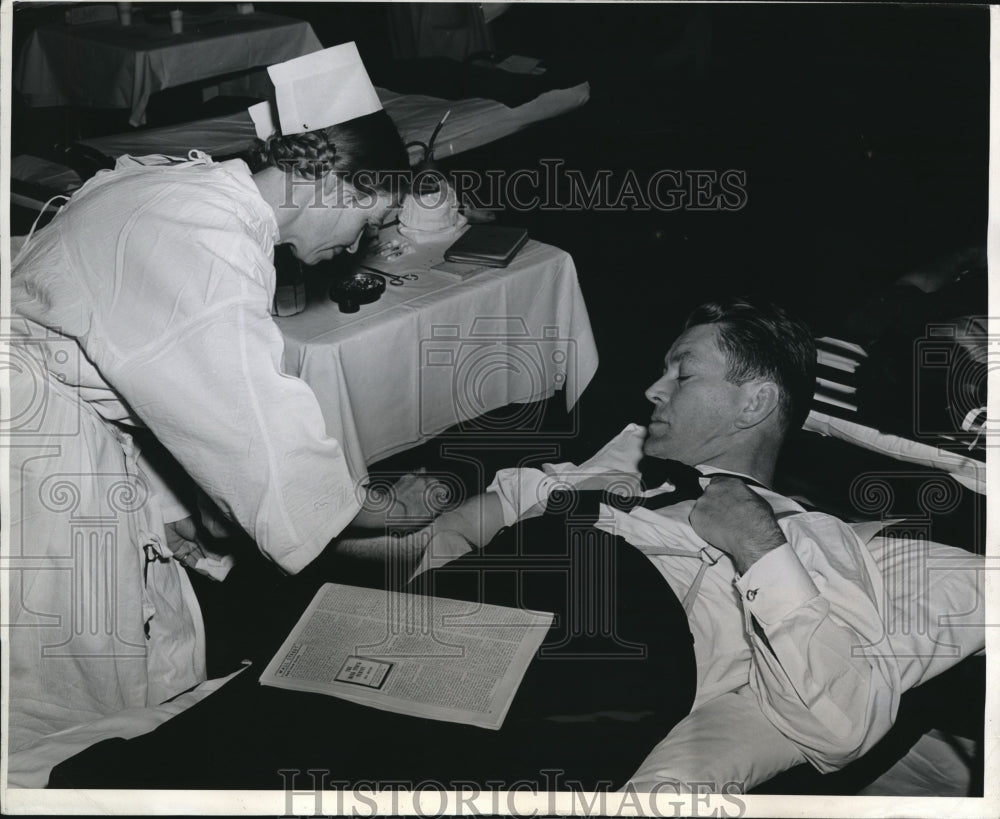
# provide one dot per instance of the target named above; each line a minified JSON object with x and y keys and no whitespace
{"x":761,"y":340}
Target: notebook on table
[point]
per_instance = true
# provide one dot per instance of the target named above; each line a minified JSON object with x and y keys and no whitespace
{"x":489,"y":245}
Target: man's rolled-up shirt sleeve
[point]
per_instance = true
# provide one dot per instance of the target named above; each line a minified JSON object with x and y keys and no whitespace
{"x":524,"y":492}
{"x":813,"y":610}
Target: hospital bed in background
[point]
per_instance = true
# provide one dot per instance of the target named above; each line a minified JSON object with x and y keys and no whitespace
{"x":905,"y":375}
{"x":837,"y":412}
{"x":471,"y":123}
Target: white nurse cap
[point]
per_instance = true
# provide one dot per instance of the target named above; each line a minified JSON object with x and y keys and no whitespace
{"x":318,"y":90}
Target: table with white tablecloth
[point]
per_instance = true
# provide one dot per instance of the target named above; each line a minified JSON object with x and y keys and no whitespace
{"x":107,"y":65}
{"x":440,"y":351}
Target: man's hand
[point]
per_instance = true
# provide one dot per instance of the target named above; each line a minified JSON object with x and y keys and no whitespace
{"x":410,"y":503}
{"x":734,"y":519}
{"x":419,"y":497}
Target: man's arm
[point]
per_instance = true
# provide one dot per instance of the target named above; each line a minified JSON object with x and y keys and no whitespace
{"x":522,"y":493}
{"x":412,"y":501}
{"x":471,"y":525}
{"x":811,"y":601}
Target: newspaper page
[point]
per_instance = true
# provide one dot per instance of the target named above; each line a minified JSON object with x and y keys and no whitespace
{"x":413,"y":654}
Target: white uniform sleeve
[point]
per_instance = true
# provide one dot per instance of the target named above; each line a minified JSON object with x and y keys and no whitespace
{"x":183,"y":332}
{"x":813,"y":611}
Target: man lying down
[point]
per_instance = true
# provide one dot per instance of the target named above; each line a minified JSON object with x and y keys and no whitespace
{"x":708,"y":630}
{"x":786,"y":607}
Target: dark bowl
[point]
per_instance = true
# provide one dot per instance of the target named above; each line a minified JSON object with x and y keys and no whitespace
{"x":355,"y":289}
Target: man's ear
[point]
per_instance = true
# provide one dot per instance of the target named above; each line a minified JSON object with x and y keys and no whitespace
{"x":760,"y":401}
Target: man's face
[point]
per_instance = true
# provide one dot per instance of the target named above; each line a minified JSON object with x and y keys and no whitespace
{"x":694,"y":406}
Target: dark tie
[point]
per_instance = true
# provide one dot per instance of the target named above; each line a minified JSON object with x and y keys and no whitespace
{"x":657,"y":471}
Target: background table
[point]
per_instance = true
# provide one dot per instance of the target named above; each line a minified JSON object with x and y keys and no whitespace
{"x":439,"y":351}
{"x":107,"y":65}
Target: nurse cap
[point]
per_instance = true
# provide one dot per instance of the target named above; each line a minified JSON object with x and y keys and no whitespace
{"x":316,"y":91}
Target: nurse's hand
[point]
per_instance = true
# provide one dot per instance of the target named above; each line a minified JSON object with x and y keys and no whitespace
{"x":183,"y":541}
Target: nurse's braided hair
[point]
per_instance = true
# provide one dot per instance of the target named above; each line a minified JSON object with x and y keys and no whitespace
{"x":368,"y":144}
{"x":311,"y":155}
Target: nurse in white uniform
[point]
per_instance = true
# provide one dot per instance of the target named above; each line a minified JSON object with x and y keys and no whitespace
{"x":146,"y":303}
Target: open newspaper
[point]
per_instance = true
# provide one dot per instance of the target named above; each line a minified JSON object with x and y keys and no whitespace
{"x":412,"y":654}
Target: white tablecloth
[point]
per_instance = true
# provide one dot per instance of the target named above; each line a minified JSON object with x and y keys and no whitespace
{"x":439,"y":350}
{"x":106,"y":65}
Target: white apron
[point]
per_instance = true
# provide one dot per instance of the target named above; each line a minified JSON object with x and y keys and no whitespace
{"x":101,"y":617}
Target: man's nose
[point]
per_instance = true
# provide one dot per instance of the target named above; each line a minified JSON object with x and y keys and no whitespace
{"x":658,"y":390}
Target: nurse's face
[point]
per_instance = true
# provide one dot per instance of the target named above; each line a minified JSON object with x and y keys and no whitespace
{"x":320,"y":231}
